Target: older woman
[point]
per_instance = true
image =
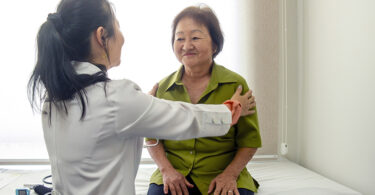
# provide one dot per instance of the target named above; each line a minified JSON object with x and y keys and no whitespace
{"x":203,"y":165}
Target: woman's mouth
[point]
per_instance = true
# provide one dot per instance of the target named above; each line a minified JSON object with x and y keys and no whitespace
{"x":189,"y":54}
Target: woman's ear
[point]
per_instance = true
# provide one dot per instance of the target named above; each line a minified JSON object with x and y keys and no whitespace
{"x":100,"y":36}
{"x":214,"y":48}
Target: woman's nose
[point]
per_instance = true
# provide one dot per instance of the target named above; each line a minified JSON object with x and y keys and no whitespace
{"x":188,"y":45}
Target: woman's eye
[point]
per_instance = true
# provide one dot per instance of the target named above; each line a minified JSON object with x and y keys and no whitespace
{"x":196,"y":38}
{"x":180,"y":39}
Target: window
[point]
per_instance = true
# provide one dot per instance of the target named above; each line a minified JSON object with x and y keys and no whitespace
{"x":146,"y":25}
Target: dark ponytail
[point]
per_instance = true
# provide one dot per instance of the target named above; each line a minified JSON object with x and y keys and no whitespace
{"x":63,"y":38}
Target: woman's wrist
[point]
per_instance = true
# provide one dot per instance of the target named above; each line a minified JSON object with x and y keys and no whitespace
{"x":166,"y":168}
{"x":231,"y":173}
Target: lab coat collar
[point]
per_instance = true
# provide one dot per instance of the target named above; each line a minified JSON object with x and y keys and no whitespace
{"x":85,"y":67}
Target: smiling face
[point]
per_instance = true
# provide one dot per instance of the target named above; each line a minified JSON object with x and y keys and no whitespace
{"x":192,"y":44}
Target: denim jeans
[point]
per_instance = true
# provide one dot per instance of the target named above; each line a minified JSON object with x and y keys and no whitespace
{"x":154,"y":189}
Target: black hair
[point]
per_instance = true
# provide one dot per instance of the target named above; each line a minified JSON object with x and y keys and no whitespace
{"x":63,"y":38}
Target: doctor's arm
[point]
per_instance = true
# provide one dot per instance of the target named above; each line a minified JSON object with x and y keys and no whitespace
{"x":153,"y":117}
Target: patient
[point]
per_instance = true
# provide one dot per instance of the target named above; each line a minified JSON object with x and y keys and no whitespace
{"x":213,"y":164}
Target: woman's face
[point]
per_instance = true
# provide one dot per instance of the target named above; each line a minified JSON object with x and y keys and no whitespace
{"x":192,"y":45}
{"x":115,"y":44}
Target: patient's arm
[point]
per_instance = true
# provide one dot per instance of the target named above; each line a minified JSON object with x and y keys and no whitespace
{"x":172,"y":179}
{"x":226,"y":181}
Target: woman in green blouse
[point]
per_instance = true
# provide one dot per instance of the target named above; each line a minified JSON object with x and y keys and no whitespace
{"x":212,"y":165}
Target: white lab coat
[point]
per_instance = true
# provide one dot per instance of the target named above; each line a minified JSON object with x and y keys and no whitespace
{"x":100,"y":155}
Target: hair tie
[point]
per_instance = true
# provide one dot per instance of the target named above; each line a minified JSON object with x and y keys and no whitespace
{"x":56,"y":19}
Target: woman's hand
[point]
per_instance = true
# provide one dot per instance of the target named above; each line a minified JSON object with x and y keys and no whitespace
{"x":247,"y":101}
{"x":223,"y":184}
{"x":154,"y":89}
{"x":175,"y":182}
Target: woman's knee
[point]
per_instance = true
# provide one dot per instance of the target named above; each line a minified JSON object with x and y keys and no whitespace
{"x":155,"y":189}
{"x":244,"y":191}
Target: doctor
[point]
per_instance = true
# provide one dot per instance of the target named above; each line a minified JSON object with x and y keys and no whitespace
{"x":93,"y":126}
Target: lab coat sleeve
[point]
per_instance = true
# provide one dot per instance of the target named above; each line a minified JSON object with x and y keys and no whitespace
{"x":143,"y":115}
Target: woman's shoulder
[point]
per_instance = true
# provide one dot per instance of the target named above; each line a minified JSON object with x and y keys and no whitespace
{"x":168,"y":80}
{"x":227,"y":74}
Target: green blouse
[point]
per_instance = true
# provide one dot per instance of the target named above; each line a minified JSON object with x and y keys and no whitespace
{"x":204,"y":158}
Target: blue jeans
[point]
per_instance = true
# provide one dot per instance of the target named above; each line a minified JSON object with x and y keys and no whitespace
{"x":154,"y":189}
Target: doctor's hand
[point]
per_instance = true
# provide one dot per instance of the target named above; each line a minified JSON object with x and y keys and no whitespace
{"x":175,"y":182}
{"x":154,"y":89}
{"x":247,"y":101}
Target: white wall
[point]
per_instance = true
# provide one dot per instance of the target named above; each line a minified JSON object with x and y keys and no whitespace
{"x":333,"y":132}
{"x":258,"y":23}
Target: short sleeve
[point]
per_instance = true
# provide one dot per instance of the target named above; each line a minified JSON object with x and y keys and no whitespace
{"x":247,"y":128}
